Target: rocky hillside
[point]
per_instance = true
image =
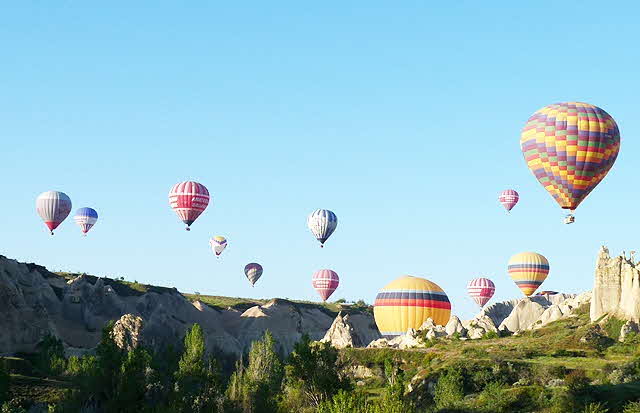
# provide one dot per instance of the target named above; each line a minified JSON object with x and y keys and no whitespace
{"x":35,"y":302}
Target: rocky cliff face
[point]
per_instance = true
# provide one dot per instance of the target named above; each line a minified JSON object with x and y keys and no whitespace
{"x":35,"y":302}
{"x":616,"y":291}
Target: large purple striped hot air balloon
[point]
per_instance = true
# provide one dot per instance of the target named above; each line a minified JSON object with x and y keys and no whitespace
{"x":53,"y":207}
{"x":570,"y":147}
{"x":508,"y":198}
{"x":481,"y":290}
{"x":325,"y":282}
{"x":253,"y":271}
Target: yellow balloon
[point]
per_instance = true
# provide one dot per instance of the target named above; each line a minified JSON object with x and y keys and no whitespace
{"x":407,"y":302}
{"x":528,"y":270}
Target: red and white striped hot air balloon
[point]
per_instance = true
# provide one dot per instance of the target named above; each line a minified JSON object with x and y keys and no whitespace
{"x":481,"y":290}
{"x":53,"y":207}
{"x":325,"y":282}
{"x":189,"y":199}
{"x":508,"y":198}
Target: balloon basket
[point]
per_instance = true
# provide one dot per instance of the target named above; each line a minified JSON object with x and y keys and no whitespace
{"x":187,"y":229}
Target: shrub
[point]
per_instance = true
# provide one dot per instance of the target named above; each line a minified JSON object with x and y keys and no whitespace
{"x":613,"y":326}
{"x":595,"y":408}
{"x":12,"y":407}
{"x":4,"y":381}
{"x":50,"y":359}
{"x":449,"y":389}
{"x":577,"y":382}
{"x":544,"y":373}
{"x":343,"y":402}
{"x":489,"y":335}
{"x":632,"y":407}
{"x":495,"y":399}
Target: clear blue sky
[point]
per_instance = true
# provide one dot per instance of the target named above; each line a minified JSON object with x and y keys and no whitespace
{"x":404,"y":120}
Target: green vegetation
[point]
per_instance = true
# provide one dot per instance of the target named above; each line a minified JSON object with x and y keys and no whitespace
{"x":548,"y":370}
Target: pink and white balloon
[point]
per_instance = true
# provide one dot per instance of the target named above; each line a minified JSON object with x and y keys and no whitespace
{"x":53,"y":207}
{"x":481,"y":290}
{"x":508,"y":198}
{"x":325,"y":282}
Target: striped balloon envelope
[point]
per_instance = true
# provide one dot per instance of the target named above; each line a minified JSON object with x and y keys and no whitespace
{"x":86,"y":218}
{"x":53,"y":207}
{"x":188,"y":199}
{"x":407,"y":302}
{"x":481,"y":290}
{"x":508,"y":198}
{"x":528,"y":270}
{"x":322,"y":223}
{"x":547,"y":293}
{"x":325,"y":283}
{"x":253,"y":271}
{"x":570,"y":147}
{"x":218,"y":244}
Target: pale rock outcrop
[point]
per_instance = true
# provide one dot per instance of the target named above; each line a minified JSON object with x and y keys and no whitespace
{"x":616,"y":290}
{"x":431,"y":329}
{"x":524,"y":314}
{"x":35,"y":302}
{"x":379,"y":343}
{"x":630,"y":327}
{"x":558,"y":311}
{"x":340,"y":334}
{"x":454,"y":326}
{"x":410,"y":339}
{"x":127,"y":332}
{"x":351,"y":330}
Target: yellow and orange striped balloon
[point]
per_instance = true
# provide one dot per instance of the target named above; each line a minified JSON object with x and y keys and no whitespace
{"x":528,"y":270}
{"x":407,"y":302}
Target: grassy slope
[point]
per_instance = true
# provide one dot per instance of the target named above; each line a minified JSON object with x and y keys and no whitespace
{"x":127,"y":288}
{"x":557,"y":345}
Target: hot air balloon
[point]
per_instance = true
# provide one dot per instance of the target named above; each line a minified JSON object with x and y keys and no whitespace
{"x":528,"y":270}
{"x":189,"y":199}
{"x":508,"y":198}
{"x":547,"y":293}
{"x":325,"y":282}
{"x":322,"y":223}
{"x":86,"y":218}
{"x":570,"y":147}
{"x":53,"y":207}
{"x":407,"y":302}
{"x":218,"y":244}
{"x":253,"y":272}
{"x":481,"y":290}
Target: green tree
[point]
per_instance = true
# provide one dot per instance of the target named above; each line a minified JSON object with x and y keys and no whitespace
{"x":4,"y":381}
{"x":313,"y":369}
{"x":109,"y":359}
{"x":449,"y":389}
{"x":197,"y":382}
{"x":50,"y":359}
{"x":254,"y":389}
{"x":131,"y":388}
{"x":344,"y":402}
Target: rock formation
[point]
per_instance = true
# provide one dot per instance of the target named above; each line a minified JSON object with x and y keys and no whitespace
{"x":511,"y":316}
{"x":630,"y":327}
{"x":616,"y":291}
{"x":127,"y":332}
{"x":346,"y":333}
{"x":35,"y":302}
